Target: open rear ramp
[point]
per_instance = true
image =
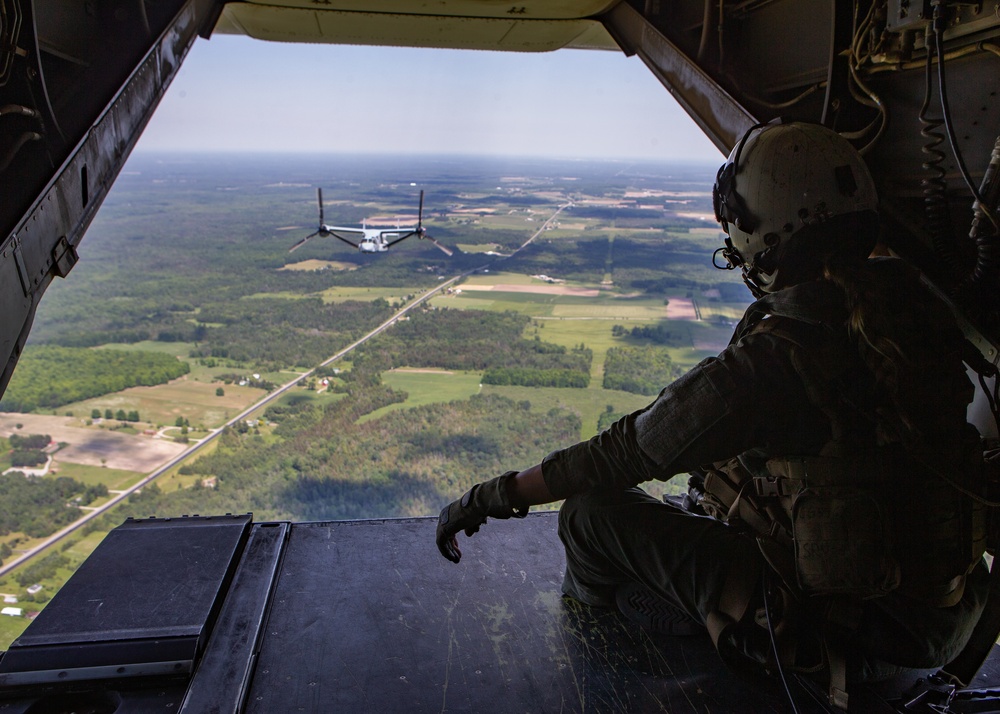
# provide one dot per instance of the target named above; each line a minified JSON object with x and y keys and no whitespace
{"x":363,"y":616}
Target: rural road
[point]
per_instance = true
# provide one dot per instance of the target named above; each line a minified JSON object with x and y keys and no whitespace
{"x":173,"y":461}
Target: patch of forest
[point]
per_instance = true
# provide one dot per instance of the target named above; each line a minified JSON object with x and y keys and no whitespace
{"x":277,"y":333}
{"x":468,"y":340}
{"x":639,"y":369}
{"x":39,"y":507}
{"x":49,"y":376}
{"x":326,"y":466}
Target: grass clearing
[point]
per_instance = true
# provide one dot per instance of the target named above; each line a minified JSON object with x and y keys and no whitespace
{"x":314,"y":264}
{"x":180,"y":350}
{"x":114,"y":479}
{"x":189,"y":398}
{"x":499,"y":278}
{"x":340,"y":294}
{"x":426,"y":387}
{"x":586,"y":403}
{"x":12,"y":627}
{"x":297,"y":396}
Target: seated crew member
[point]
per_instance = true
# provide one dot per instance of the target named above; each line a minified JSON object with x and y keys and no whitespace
{"x":828,"y":439}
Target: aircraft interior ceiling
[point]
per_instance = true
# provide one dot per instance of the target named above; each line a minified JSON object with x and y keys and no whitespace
{"x":79,"y":81}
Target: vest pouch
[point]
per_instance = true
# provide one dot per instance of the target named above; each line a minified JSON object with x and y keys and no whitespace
{"x":843,"y":545}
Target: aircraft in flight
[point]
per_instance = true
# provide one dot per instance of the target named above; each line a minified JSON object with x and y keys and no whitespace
{"x":370,"y":240}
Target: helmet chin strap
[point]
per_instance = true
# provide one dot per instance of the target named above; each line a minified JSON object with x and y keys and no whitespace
{"x":735,"y":260}
{"x":755,"y":289}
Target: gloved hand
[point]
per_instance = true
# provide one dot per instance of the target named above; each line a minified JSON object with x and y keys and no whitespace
{"x":471,"y":510}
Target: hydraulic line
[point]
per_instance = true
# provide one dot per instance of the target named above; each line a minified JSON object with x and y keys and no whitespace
{"x":933,"y":184}
{"x":19,"y":110}
{"x":23,"y":139}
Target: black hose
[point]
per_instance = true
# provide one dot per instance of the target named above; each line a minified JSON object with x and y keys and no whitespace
{"x":934,"y":185}
{"x":23,"y":139}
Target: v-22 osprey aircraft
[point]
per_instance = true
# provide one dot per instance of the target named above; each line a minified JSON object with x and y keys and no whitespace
{"x":372,"y":240}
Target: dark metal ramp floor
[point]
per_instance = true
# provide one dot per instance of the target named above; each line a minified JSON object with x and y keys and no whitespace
{"x":379,"y":619}
{"x":362,"y":616}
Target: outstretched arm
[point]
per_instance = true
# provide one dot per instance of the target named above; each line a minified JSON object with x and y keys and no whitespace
{"x":506,"y":496}
{"x":528,"y":488}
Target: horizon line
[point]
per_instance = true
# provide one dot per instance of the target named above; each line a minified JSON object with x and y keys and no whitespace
{"x":256,"y":152}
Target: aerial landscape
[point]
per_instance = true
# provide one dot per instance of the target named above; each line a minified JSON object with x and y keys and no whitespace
{"x":193,"y":364}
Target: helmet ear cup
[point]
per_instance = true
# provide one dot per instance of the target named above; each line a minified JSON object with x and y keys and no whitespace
{"x":780,"y":180}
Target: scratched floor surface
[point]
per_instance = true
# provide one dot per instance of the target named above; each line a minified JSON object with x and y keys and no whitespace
{"x":368,"y":617}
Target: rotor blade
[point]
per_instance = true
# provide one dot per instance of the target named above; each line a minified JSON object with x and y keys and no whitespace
{"x":420,"y":211}
{"x":303,"y":241}
{"x":319,"y":197}
{"x":447,"y":251}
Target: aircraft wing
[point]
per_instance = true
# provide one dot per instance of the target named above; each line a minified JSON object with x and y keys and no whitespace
{"x":336,"y":231}
{"x":399,"y":236}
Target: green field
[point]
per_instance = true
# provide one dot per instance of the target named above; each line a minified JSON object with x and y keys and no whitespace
{"x":427,"y":387}
{"x":188,"y":398}
{"x":12,"y":627}
{"x":340,"y":294}
{"x":114,"y":479}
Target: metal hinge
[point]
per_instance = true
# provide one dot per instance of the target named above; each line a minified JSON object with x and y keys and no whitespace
{"x":64,"y":257}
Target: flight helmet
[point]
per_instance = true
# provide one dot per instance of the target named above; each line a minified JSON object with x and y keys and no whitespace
{"x":788,"y":192}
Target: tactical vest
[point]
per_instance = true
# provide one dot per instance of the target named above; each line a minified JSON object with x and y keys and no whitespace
{"x":866,"y":516}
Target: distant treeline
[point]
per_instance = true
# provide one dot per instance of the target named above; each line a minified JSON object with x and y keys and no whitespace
{"x":639,"y":370}
{"x":48,"y":376}
{"x":661,"y":334}
{"x":29,"y":441}
{"x":277,"y":333}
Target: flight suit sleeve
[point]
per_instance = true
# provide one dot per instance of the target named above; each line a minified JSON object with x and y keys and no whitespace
{"x":749,"y":396}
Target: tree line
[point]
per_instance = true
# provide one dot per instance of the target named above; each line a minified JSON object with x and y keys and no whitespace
{"x":49,"y":376}
{"x":472,"y":340}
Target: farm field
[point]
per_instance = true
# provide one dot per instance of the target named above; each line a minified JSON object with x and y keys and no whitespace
{"x":93,"y":446}
{"x":184,"y":398}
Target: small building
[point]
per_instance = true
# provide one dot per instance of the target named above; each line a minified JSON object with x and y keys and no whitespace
{"x":10,"y":598}
{"x":12,"y":611}
{"x":36,"y":588}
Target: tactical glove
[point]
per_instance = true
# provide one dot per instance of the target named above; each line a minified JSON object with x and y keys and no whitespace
{"x":488,"y":499}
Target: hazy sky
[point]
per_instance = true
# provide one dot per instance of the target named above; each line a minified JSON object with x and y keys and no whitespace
{"x":238,"y":94}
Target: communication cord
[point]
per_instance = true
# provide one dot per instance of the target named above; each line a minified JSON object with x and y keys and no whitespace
{"x":774,"y":640}
{"x":938,"y":23}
